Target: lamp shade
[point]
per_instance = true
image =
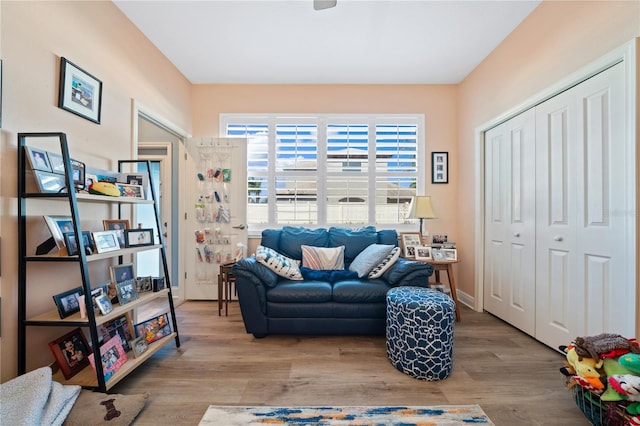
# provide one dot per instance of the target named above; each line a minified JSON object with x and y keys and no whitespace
{"x":421,"y":208}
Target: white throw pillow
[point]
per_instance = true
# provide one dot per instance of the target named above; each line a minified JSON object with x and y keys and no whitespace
{"x":281,"y":265}
{"x":369,"y":258}
{"x":386,"y":263}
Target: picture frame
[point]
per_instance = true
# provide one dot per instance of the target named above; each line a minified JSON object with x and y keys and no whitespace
{"x":122,"y":272}
{"x":118,"y":225}
{"x":154,"y":329}
{"x":439,"y":239}
{"x":106,"y":241}
{"x":38,"y":159}
{"x":67,"y":302}
{"x":126,"y":291}
{"x":440,"y":167}
{"x":423,"y":252}
{"x":58,"y":226}
{"x":103,"y":303}
{"x":112,"y":356}
{"x":71,"y":352}
{"x":56,"y":162}
{"x":138,"y":237}
{"x":77,"y":171}
{"x":450,"y":255}
{"x":71,"y":242}
{"x":79,"y":93}
{"x":50,"y":182}
{"x":144,"y":284}
{"x":408,"y":242}
{"x":130,"y":190}
{"x":136,"y":178}
{"x":120,"y":326}
{"x":437,"y":255}
{"x":138,"y":346}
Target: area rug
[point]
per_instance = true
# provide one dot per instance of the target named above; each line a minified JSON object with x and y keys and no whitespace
{"x":425,"y":416}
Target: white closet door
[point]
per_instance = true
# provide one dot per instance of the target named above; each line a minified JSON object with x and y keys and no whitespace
{"x":581,"y":284}
{"x":509,"y":290}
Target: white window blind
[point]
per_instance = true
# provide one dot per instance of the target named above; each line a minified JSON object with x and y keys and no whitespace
{"x":328,"y":170}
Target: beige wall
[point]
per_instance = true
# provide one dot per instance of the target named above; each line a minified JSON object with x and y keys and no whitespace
{"x":556,"y":40}
{"x":97,"y":37}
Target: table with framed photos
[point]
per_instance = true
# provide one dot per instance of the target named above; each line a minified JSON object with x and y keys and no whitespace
{"x":446,"y":266}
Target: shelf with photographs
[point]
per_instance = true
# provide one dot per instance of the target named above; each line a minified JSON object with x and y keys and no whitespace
{"x":45,"y":178}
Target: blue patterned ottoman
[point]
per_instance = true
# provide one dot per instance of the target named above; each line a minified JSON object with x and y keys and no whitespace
{"x":420,"y":332}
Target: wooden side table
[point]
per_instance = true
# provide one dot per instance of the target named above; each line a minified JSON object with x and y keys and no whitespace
{"x":225,"y":281}
{"x":447,"y":266}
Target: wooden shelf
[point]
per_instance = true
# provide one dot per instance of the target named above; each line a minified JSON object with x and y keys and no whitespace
{"x":53,"y":318}
{"x":89,"y":198}
{"x":60,"y":257}
{"x":87,"y":376}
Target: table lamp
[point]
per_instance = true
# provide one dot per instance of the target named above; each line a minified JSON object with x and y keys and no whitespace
{"x":421,"y":208}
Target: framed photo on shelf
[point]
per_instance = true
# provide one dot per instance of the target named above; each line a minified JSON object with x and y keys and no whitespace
{"x":58,"y":226}
{"x":56,"y":163}
{"x":106,"y":241}
{"x":408,"y":241}
{"x":49,"y":182}
{"x":126,"y":291}
{"x":138,"y":346}
{"x":123,"y":272}
{"x":103,"y":303}
{"x":138,"y":237}
{"x":437,"y":255}
{"x":439,"y":239}
{"x":71,"y":352}
{"x":71,"y":242}
{"x":439,"y":167}
{"x":423,"y":253}
{"x":112,"y":356}
{"x":67,"y":302}
{"x":77,"y":169}
{"x":80,"y":93}
{"x":154,"y":328}
{"x":130,"y":190}
{"x":118,"y":225}
{"x":122,"y":327}
{"x":38,"y":159}
{"x":144,"y":284}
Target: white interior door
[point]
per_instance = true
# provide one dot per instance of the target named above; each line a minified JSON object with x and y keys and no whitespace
{"x":216,"y":210}
{"x":583,"y":284}
{"x":509,"y":290}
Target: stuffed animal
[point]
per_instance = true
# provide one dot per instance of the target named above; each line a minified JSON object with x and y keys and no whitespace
{"x":630,"y":361}
{"x":586,"y":368}
{"x":628,"y":386}
{"x":595,"y":346}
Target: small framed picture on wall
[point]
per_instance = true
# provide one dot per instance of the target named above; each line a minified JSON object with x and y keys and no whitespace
{"x":439,"y":167}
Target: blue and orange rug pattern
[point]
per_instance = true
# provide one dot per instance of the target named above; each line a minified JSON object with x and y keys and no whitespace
{"x":443,"y":415}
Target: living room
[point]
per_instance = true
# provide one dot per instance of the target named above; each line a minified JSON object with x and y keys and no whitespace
{"x":555,"y":40}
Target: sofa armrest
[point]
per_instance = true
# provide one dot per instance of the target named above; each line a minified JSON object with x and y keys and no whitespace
{"x":250,"y":267}
{"x":405,"y":272}
{"x":252,"y":281}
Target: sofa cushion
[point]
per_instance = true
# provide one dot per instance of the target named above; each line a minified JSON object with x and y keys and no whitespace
{"x":322,"y":258}
{"x":278,"y":263}
{"x":293,"y":237}
{"x":385,"y":264}
{"x":300,"y":292}
{"x":359,"y":291}
{"x":369,"y":258}
{"x":354,"y":240}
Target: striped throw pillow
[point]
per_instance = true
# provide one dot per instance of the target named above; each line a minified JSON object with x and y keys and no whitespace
{"x":323,"y":258}
{"x":281,"y":265}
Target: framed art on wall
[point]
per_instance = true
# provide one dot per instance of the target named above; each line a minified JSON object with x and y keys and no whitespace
{"x":439,"y":167}
{"x":80,"y":93}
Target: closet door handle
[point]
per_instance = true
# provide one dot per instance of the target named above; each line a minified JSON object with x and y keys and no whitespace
{"x":516,"y":234}
{"x":557,"y":238}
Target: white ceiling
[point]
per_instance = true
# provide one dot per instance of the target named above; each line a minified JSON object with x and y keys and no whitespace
{"x":356,"y":42}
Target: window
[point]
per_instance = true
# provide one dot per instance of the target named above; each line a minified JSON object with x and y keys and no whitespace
{"x":329,"y":169}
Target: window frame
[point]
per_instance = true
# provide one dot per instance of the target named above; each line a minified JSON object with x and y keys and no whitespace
{"x":322,"y":120}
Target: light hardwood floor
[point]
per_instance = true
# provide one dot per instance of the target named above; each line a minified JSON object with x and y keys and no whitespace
{"x":515,"y":379}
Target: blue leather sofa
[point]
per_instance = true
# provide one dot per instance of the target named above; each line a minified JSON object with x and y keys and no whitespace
{"x":271,"y":304}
